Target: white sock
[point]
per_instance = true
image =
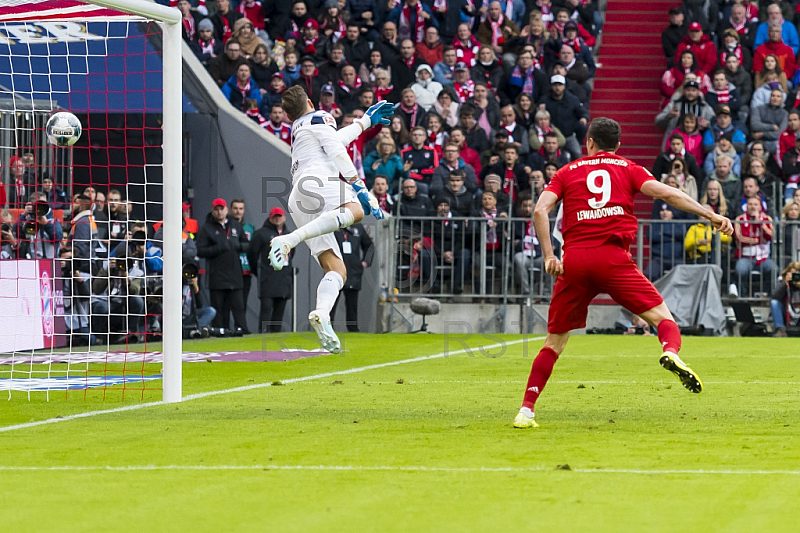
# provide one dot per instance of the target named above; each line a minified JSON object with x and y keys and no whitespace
{"x":326,"y":223}
{"x":328,"y":291}
{"x":526,"y":411}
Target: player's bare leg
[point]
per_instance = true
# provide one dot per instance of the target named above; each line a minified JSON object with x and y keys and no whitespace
{"x":328,"y":222}
{"x":670,"y":336}
{"x":541,"y":370}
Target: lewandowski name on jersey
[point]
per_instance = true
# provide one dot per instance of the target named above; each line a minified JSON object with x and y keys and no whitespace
{"x":600,"y":213}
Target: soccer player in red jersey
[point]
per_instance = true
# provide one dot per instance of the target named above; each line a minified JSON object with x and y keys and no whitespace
{"x":597,"y":193}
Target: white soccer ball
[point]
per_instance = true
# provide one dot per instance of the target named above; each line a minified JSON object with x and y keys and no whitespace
{"x":63,"y":129}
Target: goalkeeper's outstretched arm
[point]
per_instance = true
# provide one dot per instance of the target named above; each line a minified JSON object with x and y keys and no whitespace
{"x":379,"y":113}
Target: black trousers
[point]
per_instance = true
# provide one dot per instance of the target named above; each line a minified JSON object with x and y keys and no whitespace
{"x":271,"y":317}
{"x":228,"y":301}
{"x":350,"y":308}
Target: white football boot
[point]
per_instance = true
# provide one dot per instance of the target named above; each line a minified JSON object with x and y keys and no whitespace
{"x":327,"y":337}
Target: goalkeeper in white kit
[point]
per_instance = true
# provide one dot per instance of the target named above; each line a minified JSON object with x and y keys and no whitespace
{"x":320,"y":201}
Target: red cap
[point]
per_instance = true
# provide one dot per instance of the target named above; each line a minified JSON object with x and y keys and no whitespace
{"x":695,"y":26}
{"x":311,"y":23}
{"x":276,"y":211}
{"x":219,"y":202}
{"x":186,"y":206}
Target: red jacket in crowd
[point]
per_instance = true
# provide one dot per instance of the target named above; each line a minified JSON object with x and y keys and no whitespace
{"x":783,"y":52}
{"x":705,"y":51}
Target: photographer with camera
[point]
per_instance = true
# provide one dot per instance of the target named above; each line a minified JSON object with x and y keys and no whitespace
{"x":53,"y":196}
{"x":76,"y":301}
{"x":785,"y":300}
{"x":38,"y":233}
{"x":8,"y":243}
{"x":197,"y":313}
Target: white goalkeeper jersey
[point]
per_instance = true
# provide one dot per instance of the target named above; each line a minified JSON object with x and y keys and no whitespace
{"x":319,"y":149}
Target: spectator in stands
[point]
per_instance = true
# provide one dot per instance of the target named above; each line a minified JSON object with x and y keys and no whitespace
{"x":577,"y":70}
{"x":676,"y":148}
{"x":706,"y":14}
{"x":327,"y":101}
{"x":222,"y":68}
{"x":783,"y":53}
{"x":310,"y":42}
{"x":411,"y":206}
{"x":700,"y":242}
{"x":494,"y":155}
{"x":525,"y":109}
{"x":723,"y":124}
{"x":384,"y":89}
{"x":404,"y":68}
{"x":730,"y":182}
{"x":568,"y":113}
{"x":767,"y":182}
{"x":291,"y":69}
{"x":116,"y":294}
{"x":224,"y":20}
{"x":731,"y":44}
{"x":785,"y":300}
{"x":447,"y":108}
{"x":277,"y":125}
{"x":769,"y":120}
{"x":410,"y":111}
{"x":723,"y":146}
{"x":450,"y":245}
{"x":451,"y":161}
{"x":750,"y":189}
{"x":252,"y":11}
{"x":462,"y":85}
{"x":537,"y":184}
{"x":55,"y":197}
{"x":666,"y":243}
{"x":419,"y":160}
{"x":309,"y":79}
{"x":675,"y":78}
{"x":386,"y":162}
{"x":686,"y":181}
{"x":791,"y":170}
{"x":274,"y":286}
{"x":495,"y":217}
{"x":701,"y":45}
{"x":8,"y":242}
{"x":274,"y":94}
{"x":241,"y":87}
{"x":189,"y":20}
{"x":468,"y":154}
{"x":389,"y":43}
{"x":523,"y":78}
{"x":244,"y":33}
{"x":542,"y":127}
{"x":117,"y":218}
{"x":411,"y":18}
{"x":739,"y":22}
{"x":487,"y":69}
{"x":237,"y":213}
{"x":724,"y":93}
{"x":517,"y":135}
{"x":674,"y":34}
{"x":262,"y":68}
{"x":466,"y":45}
{"x":444,"y":71}
{"x":356,"y":47}
{"x":205,"y":46}
{"x":431,"y":48}
{"x":514,"y":173}
{"x":330,"y":70}
{"x":691,"y":102}
{"x":366,"y":97}
{"x":580,"y":49}
{"x":426,"y":90}
{"x":788,"y":30}
{"x":743,"y":82}
{"x":790,"y":217}
{"x":380,"y":189}
{"x":788,"y":137}
{"x":399,"y":133}
{"x":460,"y":199}
{"x":497,"y":29}
{"x":219,"y":241}
{"x":486,"y":109}
{"x":692,"y":138}
{"x":437,"y":134}
{"x":548,"y":151}
{"x":527,"y":251}
{"x":492,"y":183}
{"x":332,"y":21}
{"x":347,"y":89}
{"x":770,"y":77}
{"x":714,"y":198}
{"x":375,"y":63}
{"x":753,"y":230}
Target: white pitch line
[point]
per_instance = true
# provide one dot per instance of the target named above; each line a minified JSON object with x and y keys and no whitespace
{"x":391,"y":468}
{"x":264,"y":385}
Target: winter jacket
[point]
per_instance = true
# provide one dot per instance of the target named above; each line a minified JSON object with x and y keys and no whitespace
{"x":490,"y":74}
{"x":714,"y":131}
{"x":429,"y":55}
{"x":441,"y":176}
{"x":461,"y":202}
{"x":705,"y":51}
{"x":764,"y":119}
{"x":711,"y":162}
{"x":666,"y":241}
{"x":743,"y":82}
{"x":419,"y":206}
{"x":423,"y":162}
{"x":392,"y":169}
{"x":508,"y":28}
{"x":663,"y":164}
{"x":443,"y":74}
{"x":565,"y":113}
{"x":734,"y":102}
{"x":427,"y":92}
{"x":220,"y":246}
{"x":672,"y":37}
{"x":788,"y":34}
{"x":356,"y":52}
{"x":701,"y":231}
{"x":235,"y":96}
{"x":784,"y":53}
{"x":271,"y":283}
{"x":360,"y":249}
{"x":221,"y":68}
{"x":706,"y":12}
{"x":731,"y":189}
{"x":509,"y":89}
{"x":762,"y":95}
{"x":698,"y":108}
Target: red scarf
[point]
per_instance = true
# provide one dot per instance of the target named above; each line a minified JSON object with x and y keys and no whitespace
{"x":497,"y":30}
{"x":188,"y":24}
{"x":381,"y":92}
{"x":724,"y":96}
{"x":244,"y":90}
{"x":547,"y":11}
{"x":418,"y":35}
{"x":346,"y":88}
{"x":508,"y":183}
{"x":258,"y":117}
{"x":736,"y":51}
{"x":411,"y":111}
{"x":311,"y":45}
{"x":410,"y":62}
{"x":382,"y":202}
{"x":547,"y":157}
{"x":207,"y":48}
{"x":740,"y":28}
{"x":226,"y":27}
{"x":467,"y":52}
{"x":465,"y":91}
{"x":440,"y":4}
{"x":338,"y":31}
{"x":574,"y":43}
{"x":492,"y":242}
{"x":511,"y":128}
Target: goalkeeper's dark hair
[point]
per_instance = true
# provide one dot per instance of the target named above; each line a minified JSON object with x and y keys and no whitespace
{"x":295,"y":102}
{"x":605,"y":133}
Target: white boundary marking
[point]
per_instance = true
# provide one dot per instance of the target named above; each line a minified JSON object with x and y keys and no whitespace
{"x":389,"y":468}
{"x":264,"y":385}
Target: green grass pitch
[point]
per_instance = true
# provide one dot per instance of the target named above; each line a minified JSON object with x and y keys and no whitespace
{"x":425,"y":445}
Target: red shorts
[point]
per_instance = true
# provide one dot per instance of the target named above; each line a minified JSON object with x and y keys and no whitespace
{"x":590,"y":271}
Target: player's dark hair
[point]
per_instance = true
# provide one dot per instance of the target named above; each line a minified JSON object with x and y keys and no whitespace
{"x":551,"y":134}
{"x":605,"y":133}
{"x":295,"y":102}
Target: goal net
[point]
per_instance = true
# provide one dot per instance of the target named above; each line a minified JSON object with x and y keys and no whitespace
{"x":84,"y":257}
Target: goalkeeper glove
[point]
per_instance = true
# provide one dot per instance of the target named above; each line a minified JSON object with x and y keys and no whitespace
{"x":380,"y":113}
{"x":368,"y":202}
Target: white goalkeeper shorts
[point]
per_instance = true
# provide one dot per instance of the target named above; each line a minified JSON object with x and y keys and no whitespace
{"x":311,"y":197}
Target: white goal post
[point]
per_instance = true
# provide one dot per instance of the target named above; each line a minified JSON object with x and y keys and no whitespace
{"x":172,"y":130}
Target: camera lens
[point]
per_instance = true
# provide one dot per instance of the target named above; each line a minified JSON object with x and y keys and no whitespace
{"x":6,"y":227}
{"x":42,"y":209}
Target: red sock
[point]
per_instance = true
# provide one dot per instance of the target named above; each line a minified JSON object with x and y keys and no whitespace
{"x":540,"y":373}
{"x":670,"y":336}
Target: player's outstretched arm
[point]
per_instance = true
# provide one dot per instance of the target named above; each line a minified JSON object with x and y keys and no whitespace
{"x":541,"y":221}
{"x":380,"y":113}
{"x":684,"y":202}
